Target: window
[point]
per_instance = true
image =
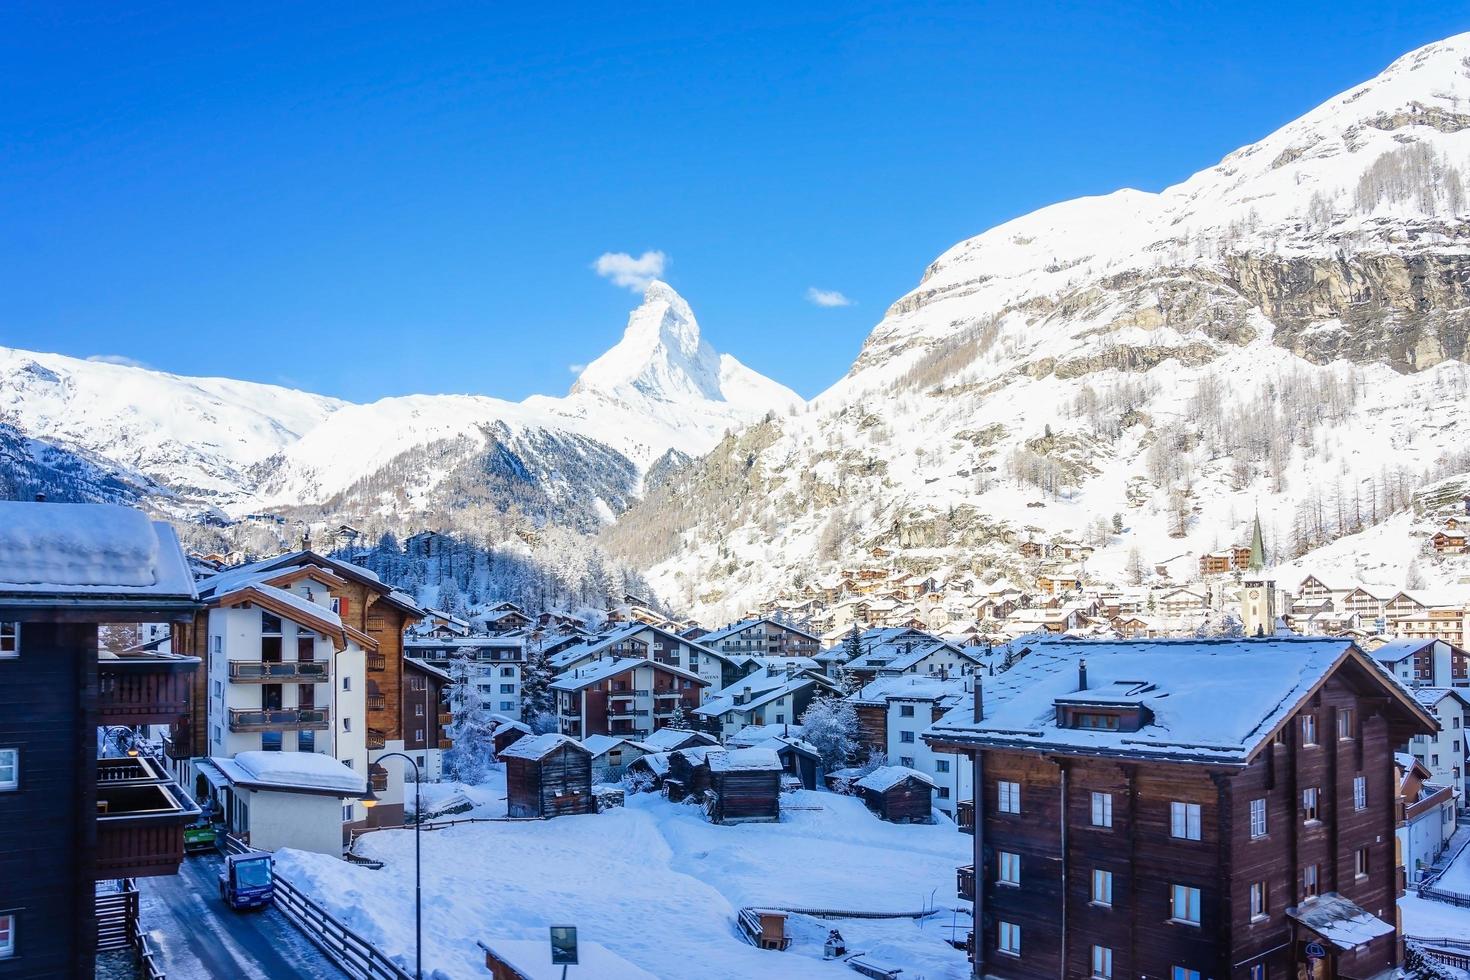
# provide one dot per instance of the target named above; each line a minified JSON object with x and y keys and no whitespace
{"x":906,"y":737}
{"x":7,"y":935}
{"x":270,"y":741}
{"x":1102,"y":887}
{"x":1102,"y":963}
{"x":1309,"y":729}
{"x":1309,"y":883}
{"x":1009,"y":872}
{"x":1309,"y":804}
{"x":1258,"y":818}
{"x":1184,"y":821}
{"x":347,"y":813}
{"x":1346,"y":723}
{"x":507,"y":672}
{"x":1360,"y":862}
{"x":9,"y":640}
{"x":347,"y":724}
{"x":9,"y":769}
{"x":507,"y":706}
{"x":943,"y":792}
{"x":270,"y":624}
{"x":1360,"y":792}
{"x":418,"y":734}
{"x":1009,"y":939}
{"x":306,"y":741}
{"x":346,"y":683}
{"x":1102,"y":812}
{"x":1183,"y":973}
{"x":219,"y":689}
{"x":418,"y":711}
{"x":1258,"y":972}
{"x":1258,"y":900}
{"x":216,"y":642}
{"x":1184,"y":905}
{"x":941,"y":765}
{"x":1092,"y":720}
{"x":906,"y":760}
{"x":1009,"y":797}
{"x":905,"y":711}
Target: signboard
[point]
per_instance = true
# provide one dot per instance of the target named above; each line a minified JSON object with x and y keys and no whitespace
{"x":1315,"y":951}
{"x":563,"y":945}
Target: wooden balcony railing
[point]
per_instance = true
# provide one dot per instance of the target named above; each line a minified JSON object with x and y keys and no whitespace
{"x":278,"y":719}
{"x":377,"y":661}
{"x":445,"y":744}
{"x":376,"y":739}
{"x":375,"y":702}
{"x":378,"y":776}
{"x":964,"y":816}
{"x":446,"y":718}
{"x":141,"y":814}
{"x":151,"y":689}
{"x":283,"y":672}
{"x":965,"y":882}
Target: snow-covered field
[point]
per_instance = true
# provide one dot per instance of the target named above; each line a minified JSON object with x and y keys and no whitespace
{"x":660,"y":886}
{"x":1440,"y":920}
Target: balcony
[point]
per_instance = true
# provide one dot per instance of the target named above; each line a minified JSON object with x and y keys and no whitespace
{"x":375,"y":702}
{"x":141,"y":815}
{"x":445,"y":744}
{"x":965,"y":882}
{"x":667,"y":694}
{"x":278,"y":719}
{"x":143,"y":689}
{"x":378,"y":776}
{"x":377,"y":661}
{"x":446,"y":718}
{"x":178,"y":741}
{"x":376,"y":739}
{"x":627,"y":714}
{"x":964,"y":816}
{"x":284,"y":672}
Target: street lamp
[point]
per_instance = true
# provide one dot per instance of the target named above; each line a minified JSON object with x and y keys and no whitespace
{"x":370,"y":800}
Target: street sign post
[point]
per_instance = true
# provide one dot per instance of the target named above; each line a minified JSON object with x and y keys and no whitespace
{"x":564,"y":947}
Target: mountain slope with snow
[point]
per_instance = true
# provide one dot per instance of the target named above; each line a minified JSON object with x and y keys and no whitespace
{"x":244,"y":447}
{"x":1284,"y":330}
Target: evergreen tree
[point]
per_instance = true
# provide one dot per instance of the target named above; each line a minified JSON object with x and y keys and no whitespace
{"x":538,"y":701}
{"x":469,"y":760}
{"x":831,"y":726}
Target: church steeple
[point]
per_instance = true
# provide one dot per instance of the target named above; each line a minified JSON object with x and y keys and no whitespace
{"x":1258,"y":546}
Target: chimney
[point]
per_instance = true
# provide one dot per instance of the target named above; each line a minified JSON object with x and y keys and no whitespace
{"x":979,"y":701}
{"x":1082,"y":675}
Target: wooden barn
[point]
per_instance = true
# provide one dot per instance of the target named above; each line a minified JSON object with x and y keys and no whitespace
{"x":897,"y":794}
{"x":548,"y":776}
{"x":507,"y":735}
{"x":746,"y":784}
{"x":672,"y":739}
{"x":651,"y":768}
{"x":688,"y":775}
{"x":799,"y":759}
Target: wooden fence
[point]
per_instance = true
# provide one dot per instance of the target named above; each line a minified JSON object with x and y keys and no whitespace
{"x":119,"y":927}
{"x":357,"y":957}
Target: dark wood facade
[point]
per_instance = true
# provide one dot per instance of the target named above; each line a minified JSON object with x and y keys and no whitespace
{"x":554,"y":785}
{"x":426,"y":714}
{"x":1059,"y":848}
{"x":910,"y":800}
{"x":744,"y":795}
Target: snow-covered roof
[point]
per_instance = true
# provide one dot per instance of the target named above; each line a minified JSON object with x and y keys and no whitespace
{"x":1431,"y":696}
{"x":920,"y":654}
{"x":443,"y":675}
{"x":1340,"y":921}
{"x":89,"y":551}
{"x":602,"y":744}
{"x":657,"y":762}
{"x":668,"y":738}
{"x":780,"y":743}
{"x":755,"y":734}
{"x":884,"y":778}
{"x":287,"y":771}
{"x":1212,"y":700}
{"x":743,"y":760}
{"x":531,"y":958}
{"x":601,"y":670}
{"x":539,"y":746}
{"x":232,"y":577}
{"x":919,"y":687}
{"x":763,"y":690}
{"x":1395,"y":650}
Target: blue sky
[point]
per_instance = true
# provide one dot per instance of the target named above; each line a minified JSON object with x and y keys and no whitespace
{"x":366,"y":202}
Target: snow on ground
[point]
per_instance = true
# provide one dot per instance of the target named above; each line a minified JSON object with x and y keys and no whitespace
{"x":658,"y":885}
{"x":488,"y":797}
{"x":1456,"y":877}
{"x":1427,"y":919}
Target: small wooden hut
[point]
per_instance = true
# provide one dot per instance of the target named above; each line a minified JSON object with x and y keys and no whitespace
{"x":688,"y":774}
{"x":746,"y":784}
{"x":897,"y":794}
{"x":507,"y":735}
{"x":799,"y":759}
{"x":548,"y":776}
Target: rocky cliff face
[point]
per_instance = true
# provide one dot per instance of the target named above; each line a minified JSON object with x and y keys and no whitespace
{"x":1279,"y":329}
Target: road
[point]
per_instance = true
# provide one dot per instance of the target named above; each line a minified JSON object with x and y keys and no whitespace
{"x":200,"y":937}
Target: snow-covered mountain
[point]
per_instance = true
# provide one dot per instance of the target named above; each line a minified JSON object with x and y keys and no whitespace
{"x":661,"y":393}
{"x":1284,"y":330}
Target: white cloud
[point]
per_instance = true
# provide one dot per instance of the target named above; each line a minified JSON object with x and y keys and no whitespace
{"x":117,"y":359}
{"x":826,"y":297}
{"x":576,"y":368}
{"x":630,"y":273}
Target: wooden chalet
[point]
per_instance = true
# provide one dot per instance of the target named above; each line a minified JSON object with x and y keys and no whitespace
{"x":1211,"y":808}
{"x":746,"y":786}
{"x":1449,"y":542}
{"x":897,"y":794}
{"x":548,"y":776}
{"x":70,"y":818}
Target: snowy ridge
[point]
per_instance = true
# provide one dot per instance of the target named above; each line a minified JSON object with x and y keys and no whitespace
{"x":1283,"y":331}
{"x":244,"y":447}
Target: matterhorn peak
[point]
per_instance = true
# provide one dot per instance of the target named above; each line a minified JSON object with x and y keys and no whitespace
{"x":661,"y":356}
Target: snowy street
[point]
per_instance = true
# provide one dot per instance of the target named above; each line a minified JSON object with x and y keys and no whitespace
{"x":200,"y":938}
